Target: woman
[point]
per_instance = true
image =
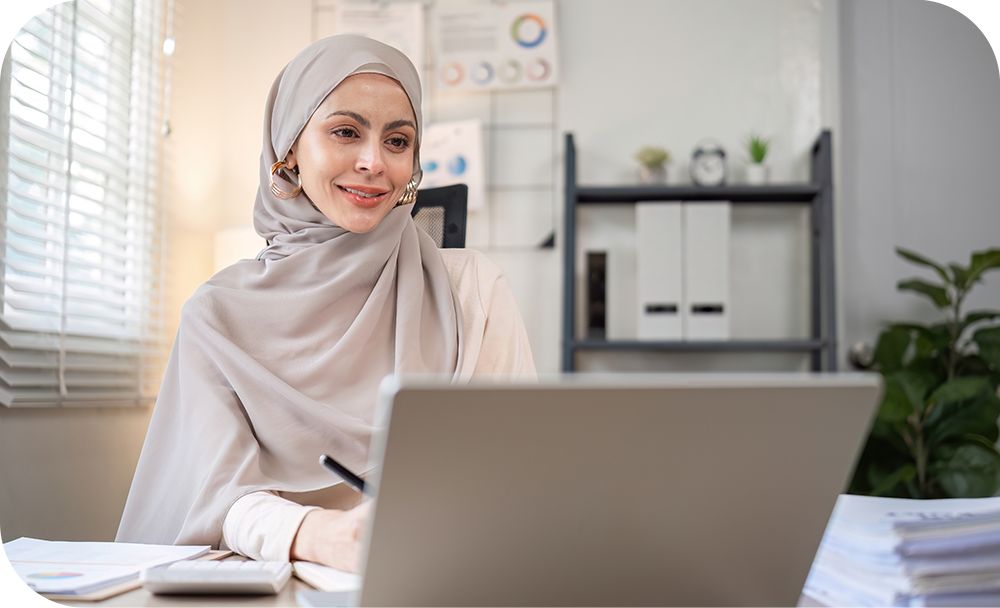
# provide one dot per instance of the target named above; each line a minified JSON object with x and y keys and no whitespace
{"x":278,"y":359}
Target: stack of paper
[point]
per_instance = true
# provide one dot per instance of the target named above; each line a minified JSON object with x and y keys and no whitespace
{"x":902,"y":552}
{"x":80,"y":568}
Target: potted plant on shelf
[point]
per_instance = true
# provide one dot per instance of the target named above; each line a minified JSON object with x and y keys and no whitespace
{"x":757,"y":171}
{"x":936,"y":430}
{"x":652,"y":164}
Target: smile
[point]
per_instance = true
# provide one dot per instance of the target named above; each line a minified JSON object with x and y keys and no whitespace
{"x":364,"y":197}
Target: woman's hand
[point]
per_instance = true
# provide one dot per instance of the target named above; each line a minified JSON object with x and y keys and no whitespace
{"x":332,"y":537}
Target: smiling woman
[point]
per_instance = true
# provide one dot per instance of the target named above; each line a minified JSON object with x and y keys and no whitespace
{"x":278,"y":359}
{"x":355,"y":165}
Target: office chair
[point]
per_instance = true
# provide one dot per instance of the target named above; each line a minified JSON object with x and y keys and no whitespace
{"x":441,"y":212}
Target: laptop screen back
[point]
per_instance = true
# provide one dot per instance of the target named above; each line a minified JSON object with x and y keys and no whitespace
{"x":628,"y":490}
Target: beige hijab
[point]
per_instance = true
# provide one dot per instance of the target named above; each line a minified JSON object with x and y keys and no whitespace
{"x":278,"y":359}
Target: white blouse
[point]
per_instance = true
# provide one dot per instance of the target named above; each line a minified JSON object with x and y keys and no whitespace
{"x":262,"y":525}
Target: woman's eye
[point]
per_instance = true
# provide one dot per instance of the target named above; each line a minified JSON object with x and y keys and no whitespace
{"x":400,"y":143}
{"x":344,"y":132}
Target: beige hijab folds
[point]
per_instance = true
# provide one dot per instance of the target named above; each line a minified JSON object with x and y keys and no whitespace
{"x":278,"y":359}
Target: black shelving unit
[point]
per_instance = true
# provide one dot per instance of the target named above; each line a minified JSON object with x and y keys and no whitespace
{"x":818,"y":194}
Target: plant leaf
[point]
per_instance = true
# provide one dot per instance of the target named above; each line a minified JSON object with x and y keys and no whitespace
{"x":930,"y":340}
{"x":959,"y":276}
{"x":972,"y":365}
{"x":932,"y":332}
{"x":937,"y":293}
{"x":904,"y":395}
{"x":878,"y":459}
{"x":976,"y":316}
{"x":982,"y":261}
{"x":934,"y":369}
{"x":988,"y":340}
{"x":894,"y":407}
{"x":959,"y":389}
{"x":891,"y":348}
{"x":889,"y":482}
{"x":891,"y":435}
{"x":962,"y":406}
{"x":967,"y":469}
{"x":916,"y":258}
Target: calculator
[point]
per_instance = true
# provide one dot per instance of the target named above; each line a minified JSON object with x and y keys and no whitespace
{"x":235,"y":577}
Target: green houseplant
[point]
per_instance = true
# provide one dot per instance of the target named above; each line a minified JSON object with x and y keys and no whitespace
{"x":936,"y":430}
{"x":757,"y":171}
{"x":757,"y":148}
{"x":652,"y":164}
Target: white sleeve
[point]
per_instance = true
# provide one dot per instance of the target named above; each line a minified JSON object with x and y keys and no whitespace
{"x":505,"y":351}
{"x":262,"y":526}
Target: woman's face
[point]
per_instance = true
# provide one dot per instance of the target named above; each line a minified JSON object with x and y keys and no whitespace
{"x":355,"y":155}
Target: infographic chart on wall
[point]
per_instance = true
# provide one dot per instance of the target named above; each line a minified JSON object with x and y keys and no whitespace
{"x":452,"y":153}
{"x":508,"y":45}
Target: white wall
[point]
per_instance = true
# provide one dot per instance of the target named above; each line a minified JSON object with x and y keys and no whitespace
{"x":65,"y":473}
{"x":222,"y":73}
{"x":921,"y":137}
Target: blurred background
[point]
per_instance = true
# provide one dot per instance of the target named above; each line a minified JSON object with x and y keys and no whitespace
{"x":908,"y":90}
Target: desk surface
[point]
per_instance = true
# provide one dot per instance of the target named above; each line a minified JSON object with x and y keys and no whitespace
{"x":141,"y":597}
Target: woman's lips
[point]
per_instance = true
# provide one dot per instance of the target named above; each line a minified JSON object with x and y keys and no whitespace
{"x":364,"y":201}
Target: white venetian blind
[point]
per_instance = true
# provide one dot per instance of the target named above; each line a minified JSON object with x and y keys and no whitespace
{"x":81,"y":228}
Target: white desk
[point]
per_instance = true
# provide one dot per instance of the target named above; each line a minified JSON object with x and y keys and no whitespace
{"x":141,"y":597}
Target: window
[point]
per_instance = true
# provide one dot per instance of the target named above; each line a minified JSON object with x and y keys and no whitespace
{"x":80,"y":220}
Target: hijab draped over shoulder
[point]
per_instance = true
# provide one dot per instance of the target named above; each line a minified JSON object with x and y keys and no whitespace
{"x":278,"y":359}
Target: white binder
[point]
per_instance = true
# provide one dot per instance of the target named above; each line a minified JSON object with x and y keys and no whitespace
{"x":659,"y":270}
{"x":706,"y":311}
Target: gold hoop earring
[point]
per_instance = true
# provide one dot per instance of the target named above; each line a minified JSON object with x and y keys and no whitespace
{"x":278,"y":192}
{"x":409,"y":194}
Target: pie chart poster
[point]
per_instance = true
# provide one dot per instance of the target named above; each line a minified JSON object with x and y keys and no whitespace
{"x":509,"y":45}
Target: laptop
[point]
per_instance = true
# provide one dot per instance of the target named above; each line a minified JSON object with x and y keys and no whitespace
{"x":608,"y":490}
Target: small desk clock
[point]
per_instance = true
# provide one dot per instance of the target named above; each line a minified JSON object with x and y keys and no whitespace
{"x":708,"y":164}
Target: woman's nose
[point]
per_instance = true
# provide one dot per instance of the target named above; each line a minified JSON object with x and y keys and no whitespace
{"x":370,"y":158}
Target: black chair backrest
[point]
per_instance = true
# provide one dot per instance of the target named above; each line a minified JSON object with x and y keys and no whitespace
{"x":441,"y":213}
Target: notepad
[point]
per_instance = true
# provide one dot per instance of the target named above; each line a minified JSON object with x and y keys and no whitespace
{"x":79,"y":568}
{"x":325,"y":578}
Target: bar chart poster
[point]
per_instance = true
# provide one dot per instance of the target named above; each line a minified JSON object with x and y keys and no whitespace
{"x":506,"y":45}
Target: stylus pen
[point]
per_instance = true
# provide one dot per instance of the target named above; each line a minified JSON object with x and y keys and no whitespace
{"x":344,"y":473}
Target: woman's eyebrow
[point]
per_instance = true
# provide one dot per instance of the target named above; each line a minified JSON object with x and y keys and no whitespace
{"x":400,"y":123}
{"x":364,"y":121}
{"x":361,"y":119}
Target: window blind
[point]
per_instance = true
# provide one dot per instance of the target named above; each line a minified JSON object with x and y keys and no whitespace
{"x":81,"y":238}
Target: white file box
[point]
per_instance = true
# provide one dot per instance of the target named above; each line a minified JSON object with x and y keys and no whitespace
{"x":659,"y":250}
{"x":706,"y":302}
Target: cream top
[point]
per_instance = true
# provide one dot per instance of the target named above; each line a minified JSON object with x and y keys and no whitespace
{"x":261,"y":525}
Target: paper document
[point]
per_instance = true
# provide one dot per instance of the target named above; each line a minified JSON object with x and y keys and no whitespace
{"x":325,"y":578}
{"x":903,"y":552}
{"x":61,"y":578}
{"x":65,"y":567}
